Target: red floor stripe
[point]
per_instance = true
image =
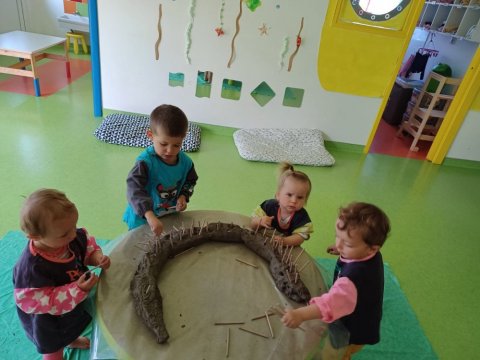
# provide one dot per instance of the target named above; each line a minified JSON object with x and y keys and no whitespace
{"x":52,"y":75}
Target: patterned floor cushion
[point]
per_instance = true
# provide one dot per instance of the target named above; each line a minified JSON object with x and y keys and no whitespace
{"x":130,"y":130}
{"x":296,"y":146}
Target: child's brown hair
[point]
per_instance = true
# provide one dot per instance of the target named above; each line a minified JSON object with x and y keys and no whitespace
{"x":41,"y":208}
{"x":170,"y":119}
{"x":286,"y":170}
{"x":369,"y":220}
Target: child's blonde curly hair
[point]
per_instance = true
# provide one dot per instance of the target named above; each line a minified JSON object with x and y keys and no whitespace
{"x":286,"y":170}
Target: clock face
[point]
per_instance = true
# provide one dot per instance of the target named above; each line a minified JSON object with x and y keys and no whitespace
{"x":378,"y":10}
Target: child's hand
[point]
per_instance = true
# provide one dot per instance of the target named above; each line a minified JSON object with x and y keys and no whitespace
{"x":332,"y":250}
{"x":266,"y":221}
{"x":291,"y":319}
{"x":181,"y":203}
{"x":104,"y":262}
{"x":87,"y":281}
{"x":279,"y":238}
{"x":155,"y":225}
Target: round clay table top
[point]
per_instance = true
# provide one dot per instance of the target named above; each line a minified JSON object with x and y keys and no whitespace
{"x":201,"y":287}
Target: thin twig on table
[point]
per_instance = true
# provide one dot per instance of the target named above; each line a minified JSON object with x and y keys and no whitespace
{"x":228,"y":342}
{"x":253,"y":332}
{"x":246,"y":263}
{"x":269,"y":325}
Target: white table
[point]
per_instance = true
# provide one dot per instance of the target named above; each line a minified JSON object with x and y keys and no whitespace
{"x":30,"y":48}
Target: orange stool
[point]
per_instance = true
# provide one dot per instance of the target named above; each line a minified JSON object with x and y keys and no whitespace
{"x":75,"y":38}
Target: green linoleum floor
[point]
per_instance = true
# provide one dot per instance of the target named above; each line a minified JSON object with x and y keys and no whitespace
{"x":433,"y":248}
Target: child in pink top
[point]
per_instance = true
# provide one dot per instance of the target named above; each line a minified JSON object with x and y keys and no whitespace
{"x":51,"y":278}
{"x":356,"y":296}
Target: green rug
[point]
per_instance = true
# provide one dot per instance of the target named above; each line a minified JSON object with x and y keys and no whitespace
{"x":401,"y":336}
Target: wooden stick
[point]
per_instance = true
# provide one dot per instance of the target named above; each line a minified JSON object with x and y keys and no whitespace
{"x":269,"y":325}
{"x":228,"y":342}
{"x":290,"y":254}
{"x":303,"y":266}
{"x":93,"y":268}
{"x":230,"y":323}
{"x":273,"y":235}
{"x":247,"y":263}
{"x":184,"y":251}
{"x":298,"y":256}
{"x":262,"y":316}
{"x":253,"y":332}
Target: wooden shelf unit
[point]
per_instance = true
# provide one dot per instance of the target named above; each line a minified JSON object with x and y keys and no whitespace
{"x":457,"y":18}
{"x":430,"y":109}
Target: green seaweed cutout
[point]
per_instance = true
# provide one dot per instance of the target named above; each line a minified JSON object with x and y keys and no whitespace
{"x":253,"y":4}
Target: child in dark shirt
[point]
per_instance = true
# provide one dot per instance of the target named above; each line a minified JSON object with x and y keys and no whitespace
{"x":286,"y":213}
{"x":51,"y":279}
{"x":163,"y":177}
{"x":356,"y":296}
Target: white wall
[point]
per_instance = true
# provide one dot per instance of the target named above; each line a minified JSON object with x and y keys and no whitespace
{"x":39,"y":16}
{"x":457,"y":54}
{"x":467,"y":145}
{"x":10,"y":16}
{"x":132,"y":80}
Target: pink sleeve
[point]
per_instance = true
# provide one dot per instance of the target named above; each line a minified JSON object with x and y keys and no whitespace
{"x":49,"y":300}
{"x":91,"y":246}
{"x":340,"y":300}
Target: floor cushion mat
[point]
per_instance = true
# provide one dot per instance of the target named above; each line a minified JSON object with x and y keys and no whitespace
{"x":296,"y":146}
{"x":130,"y":130}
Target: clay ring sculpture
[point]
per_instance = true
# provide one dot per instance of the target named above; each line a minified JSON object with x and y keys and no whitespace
{"x":147,"y":299}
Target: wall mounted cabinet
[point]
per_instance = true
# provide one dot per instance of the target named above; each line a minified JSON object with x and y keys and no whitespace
{"x":457,"y":18}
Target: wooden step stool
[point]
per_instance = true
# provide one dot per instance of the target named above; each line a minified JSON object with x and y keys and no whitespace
{"x":75,"y":38}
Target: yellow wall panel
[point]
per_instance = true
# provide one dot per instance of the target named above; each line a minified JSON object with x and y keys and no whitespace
{"x":359,"y":59}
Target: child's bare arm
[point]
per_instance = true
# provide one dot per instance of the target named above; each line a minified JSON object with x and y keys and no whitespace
{"x":155,"y":224}
{"x":293,"y":318}
{"x":261,"y":221}
{"x":292,"y":240}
